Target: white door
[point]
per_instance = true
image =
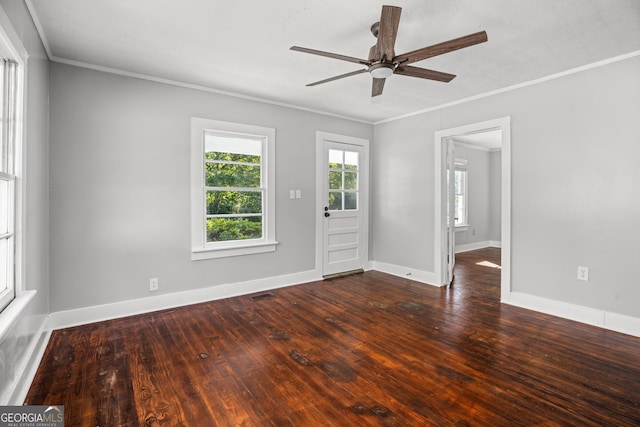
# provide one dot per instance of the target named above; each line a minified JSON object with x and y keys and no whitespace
{"x":343,"y":204}
{"x":451,"y":212}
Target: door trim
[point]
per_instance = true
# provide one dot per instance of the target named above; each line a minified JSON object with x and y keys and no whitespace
{"x":343,"y":139}
{"x":503,"y":124}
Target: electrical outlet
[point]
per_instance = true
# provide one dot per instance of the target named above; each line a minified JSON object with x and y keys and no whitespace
{"x":583,"y":273}
{"x":153,"y":284}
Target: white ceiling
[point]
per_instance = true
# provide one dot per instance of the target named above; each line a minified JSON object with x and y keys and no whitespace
{"x":242,"y":47}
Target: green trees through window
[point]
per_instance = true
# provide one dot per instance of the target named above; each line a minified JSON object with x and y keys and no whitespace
{"x":343,"y":180}
{"x":233,"y":185}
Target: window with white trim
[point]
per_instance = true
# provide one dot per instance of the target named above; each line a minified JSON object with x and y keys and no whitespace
{"x":460,"y":193}
{"x":233,"y":189}
{"x":8,"y":141}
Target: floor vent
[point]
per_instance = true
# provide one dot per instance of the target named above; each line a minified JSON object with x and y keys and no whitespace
{"x":261,"y":296}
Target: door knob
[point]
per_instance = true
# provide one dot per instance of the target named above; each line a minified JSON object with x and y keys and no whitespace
{"x":327,"y":214}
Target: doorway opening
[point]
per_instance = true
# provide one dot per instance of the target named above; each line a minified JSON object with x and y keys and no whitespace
{"x":444,"y":190}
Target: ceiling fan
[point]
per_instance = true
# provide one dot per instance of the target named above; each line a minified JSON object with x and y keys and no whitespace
{"x":383,"y":62}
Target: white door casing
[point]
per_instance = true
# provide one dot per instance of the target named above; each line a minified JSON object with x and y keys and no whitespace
{"x":451,"y":212}
{"x":440,"y":231}
{"x":342,"y":203}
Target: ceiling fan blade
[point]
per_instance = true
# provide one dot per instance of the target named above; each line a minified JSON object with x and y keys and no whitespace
{"x":423,"y":73}
{"x":376,"y":88}
{"x":341,"y":76}
{"x":441,"y":48}
{"x":331,"y":55}
{"x":387,"y":32}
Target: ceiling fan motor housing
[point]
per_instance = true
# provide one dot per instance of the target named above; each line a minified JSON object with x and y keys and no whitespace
{"x":381,"y":70}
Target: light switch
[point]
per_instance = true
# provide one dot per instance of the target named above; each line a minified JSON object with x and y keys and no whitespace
{"x":298,"y":194}
{"x":292,"y":194}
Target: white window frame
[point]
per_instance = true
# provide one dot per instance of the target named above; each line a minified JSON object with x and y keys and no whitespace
{"x":461,"y":166}
{"x":11,"y":49}
{"x":200,"y":248}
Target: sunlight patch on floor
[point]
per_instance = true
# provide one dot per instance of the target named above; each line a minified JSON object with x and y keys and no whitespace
{"x":489,"y":264}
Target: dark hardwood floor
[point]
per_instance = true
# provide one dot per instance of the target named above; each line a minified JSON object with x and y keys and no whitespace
{"x":367,"y":349}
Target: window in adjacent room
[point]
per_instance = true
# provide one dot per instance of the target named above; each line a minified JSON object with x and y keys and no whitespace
{"x":460,"y":188}
{"x":233,"y":189}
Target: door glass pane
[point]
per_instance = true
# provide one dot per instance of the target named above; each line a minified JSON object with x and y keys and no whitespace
{"x":335,"y":201}
{"x":350,"y":201}
{"x":343,"y":180}
{"x":335,"y":159}
{"x":351,"y":160}
{"x":350,"y":180}
{"x":335,"y":180}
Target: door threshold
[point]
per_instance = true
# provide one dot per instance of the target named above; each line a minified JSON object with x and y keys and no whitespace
{"x":342,"y":274}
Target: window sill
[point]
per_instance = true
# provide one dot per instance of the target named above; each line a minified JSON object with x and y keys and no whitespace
{"x":258,"y":248}
{"x":12,"y":313}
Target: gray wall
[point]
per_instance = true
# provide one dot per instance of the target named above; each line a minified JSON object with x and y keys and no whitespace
{"x":575,"y":192}
{"x":402,"y":192}
{"x":120,"y":187}
{"x":481,"y":205}
{"x":14,"y":346}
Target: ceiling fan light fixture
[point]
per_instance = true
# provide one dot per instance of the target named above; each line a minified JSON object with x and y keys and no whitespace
{"x":381,"y":71}
{"x":382,"y":60}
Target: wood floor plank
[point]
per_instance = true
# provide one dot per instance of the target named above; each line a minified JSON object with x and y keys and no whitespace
{"x":367,"y":349}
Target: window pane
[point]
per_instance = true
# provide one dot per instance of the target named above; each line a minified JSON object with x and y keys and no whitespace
{"x":232,"y":148}
{"x":225,"y":229}
{"x":335,"y":159}
{"x":4,"y":261}
{"x":351,"y":160}
{"x":350,"y":180}
{"x":459,"y":212}
{"x":231,"y":157}
{"x":8,"y":121}
{"x":335,"y":201}
{"x":233,"y":202}
{"x":226,"y":175}
{"x":458,"y":182}
{"x":350,"y":201}
{"x":335,"y":180}
{"x":5,"y":202}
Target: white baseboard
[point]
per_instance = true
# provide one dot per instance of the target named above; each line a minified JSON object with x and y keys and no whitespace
{"x":622,"y":323}
{"x":591,"y":316}
{"x":421,"y":276}
{"x":478,"y":245}
{"x":81,"y":316}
